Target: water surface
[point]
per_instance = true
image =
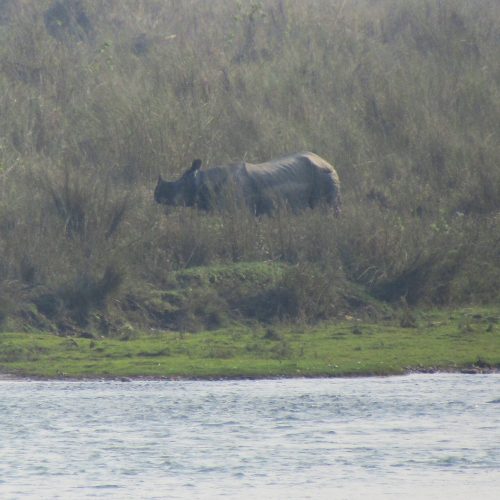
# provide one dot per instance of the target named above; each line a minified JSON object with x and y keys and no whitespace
{"x":418,"y":436}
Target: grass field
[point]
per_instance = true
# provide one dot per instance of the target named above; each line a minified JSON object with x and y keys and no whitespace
{"x":448,"y":341}
{"x":97,"y":97}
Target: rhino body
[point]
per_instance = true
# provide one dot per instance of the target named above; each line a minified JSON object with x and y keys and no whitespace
{"x":298,"y":181}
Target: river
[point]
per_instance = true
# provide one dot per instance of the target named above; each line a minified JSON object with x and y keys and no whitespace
{"x":417,"y":436}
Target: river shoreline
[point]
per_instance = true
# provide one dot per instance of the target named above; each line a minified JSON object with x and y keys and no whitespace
{"x":473,"y":370}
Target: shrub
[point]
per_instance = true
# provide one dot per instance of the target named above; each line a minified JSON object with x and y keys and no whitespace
{"x":97,"y":98}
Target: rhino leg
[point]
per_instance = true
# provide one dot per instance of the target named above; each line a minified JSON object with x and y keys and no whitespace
{"x":329,"y":192}
{"x":263,"y":205}
{"x":333,"y":194}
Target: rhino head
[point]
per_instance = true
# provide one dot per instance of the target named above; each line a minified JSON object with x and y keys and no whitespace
{"x":181,"y":192}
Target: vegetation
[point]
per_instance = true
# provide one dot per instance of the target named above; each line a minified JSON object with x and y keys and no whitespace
{"x":97,"y":97}
{"x":468,"y":340}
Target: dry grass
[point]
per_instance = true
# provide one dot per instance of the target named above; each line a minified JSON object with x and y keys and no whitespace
{"x":97,"y":97}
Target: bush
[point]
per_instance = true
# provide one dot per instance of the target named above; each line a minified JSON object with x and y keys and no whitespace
{"x":97,"y":98}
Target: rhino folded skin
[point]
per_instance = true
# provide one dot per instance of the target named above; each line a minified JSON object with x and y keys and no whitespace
{"x":297,"y":181}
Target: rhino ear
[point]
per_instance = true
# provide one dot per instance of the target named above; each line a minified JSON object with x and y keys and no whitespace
{"x":195,"y":166}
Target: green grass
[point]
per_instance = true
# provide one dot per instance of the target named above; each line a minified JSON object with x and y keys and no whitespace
{"x":440,"y":341}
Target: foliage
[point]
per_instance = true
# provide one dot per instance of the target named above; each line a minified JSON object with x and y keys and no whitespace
{"x":97,"y":97}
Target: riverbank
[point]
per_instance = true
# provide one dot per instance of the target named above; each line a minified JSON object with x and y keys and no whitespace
{"x":146,"y":89}
{"x":459,"y":340}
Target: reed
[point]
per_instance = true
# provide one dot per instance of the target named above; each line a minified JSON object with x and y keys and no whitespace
{"x":98,"y":97}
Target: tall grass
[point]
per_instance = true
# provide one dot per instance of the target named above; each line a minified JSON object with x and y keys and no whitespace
{"x":98,"y":97}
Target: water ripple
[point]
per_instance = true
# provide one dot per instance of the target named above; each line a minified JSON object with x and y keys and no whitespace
{"x":418,"y":436}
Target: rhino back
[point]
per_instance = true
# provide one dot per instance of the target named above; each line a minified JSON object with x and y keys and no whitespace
{"x":294,"y":178}
{"x":299,"y":167}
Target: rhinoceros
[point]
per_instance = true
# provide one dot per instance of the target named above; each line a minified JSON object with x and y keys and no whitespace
{"x":297,"y":181}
